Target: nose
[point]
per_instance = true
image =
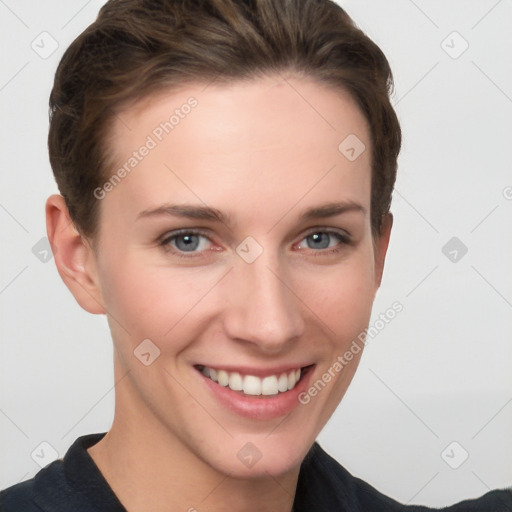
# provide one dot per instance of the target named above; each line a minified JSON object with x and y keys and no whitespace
{"x":262,"y":307}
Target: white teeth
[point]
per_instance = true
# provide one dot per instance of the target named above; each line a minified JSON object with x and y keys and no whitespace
{"x":291,"y":380}
{"x":252,"y":385}
{"x":255,"y":386}
{"x":282,"y":383}
{"x":223,"y":378}
{"x":235,"y":381}
{"x":269,"y":385}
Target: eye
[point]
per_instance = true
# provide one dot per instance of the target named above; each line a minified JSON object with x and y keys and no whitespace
{"x":189,"y":243}
{"x":325,"y":241}
{"x":185,"y":241}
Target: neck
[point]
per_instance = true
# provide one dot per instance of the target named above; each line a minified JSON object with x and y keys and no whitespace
{"x":149,"y":468}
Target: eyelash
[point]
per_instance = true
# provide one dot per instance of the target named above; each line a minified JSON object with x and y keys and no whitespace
{"x":344,"y":238}
{"x":165,"y":242}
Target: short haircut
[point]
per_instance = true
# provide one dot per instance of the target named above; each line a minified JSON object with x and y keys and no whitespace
{"x":136,"y":48}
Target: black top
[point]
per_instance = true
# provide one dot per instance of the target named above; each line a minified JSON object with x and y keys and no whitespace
{"x":75,"y":484}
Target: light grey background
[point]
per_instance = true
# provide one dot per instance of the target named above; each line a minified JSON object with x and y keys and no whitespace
{"x":438,"y":373}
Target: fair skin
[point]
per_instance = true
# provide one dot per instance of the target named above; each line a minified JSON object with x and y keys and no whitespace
{"x":262,"y":155}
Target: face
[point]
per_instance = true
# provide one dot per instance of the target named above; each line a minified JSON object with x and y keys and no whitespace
{"x":239,"y":243}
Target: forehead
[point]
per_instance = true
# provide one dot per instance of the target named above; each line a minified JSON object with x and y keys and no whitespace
{"x":242,"y":143}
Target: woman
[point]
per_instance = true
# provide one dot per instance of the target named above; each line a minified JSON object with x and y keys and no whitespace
{"x":226,"y":171}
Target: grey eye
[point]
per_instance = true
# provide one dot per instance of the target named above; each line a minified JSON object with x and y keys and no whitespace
{"x":187,"y":242}
{"x":319,"y":240}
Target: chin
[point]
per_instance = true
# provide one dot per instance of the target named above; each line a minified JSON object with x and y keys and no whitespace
{"x":260,"y":456}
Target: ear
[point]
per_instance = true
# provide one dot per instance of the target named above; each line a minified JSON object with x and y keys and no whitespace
{"x":74,"y":257}
{"x":381,"y":246}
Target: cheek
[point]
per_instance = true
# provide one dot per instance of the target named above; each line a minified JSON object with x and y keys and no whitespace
{"x":343,"y":298}
{"x":152,"y":302}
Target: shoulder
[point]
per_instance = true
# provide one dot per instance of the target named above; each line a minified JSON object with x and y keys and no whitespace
{"x":48,"y":491}
{"x":324,"y":481}
{"x":26,"y":496}
{"x":54,"y":488}
{"x":19,"y":498}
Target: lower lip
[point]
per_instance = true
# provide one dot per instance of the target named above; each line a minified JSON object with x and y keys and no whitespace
{"x":260,"y":407}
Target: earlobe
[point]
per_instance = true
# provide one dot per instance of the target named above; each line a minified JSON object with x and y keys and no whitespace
{"x":381,"y":247}
{"x":73,"y":256}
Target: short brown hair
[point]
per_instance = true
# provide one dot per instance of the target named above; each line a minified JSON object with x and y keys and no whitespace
{"x":138,"y":47}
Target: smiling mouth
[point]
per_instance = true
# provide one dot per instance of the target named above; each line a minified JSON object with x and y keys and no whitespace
{"x":251,"y":385}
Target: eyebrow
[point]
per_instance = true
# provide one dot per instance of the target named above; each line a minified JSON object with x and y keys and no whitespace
{"x":187,"y":211}
{"x":214,"y":215}
{"x":331,"y":210}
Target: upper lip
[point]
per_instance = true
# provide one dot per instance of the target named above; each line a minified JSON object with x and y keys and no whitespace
{"x":257,"y":372}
